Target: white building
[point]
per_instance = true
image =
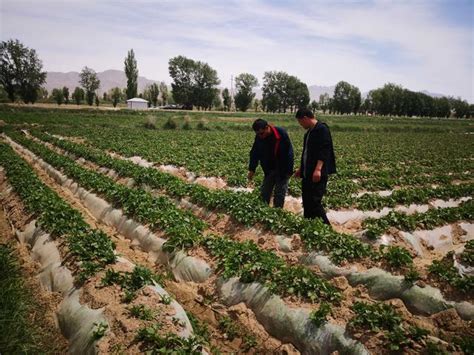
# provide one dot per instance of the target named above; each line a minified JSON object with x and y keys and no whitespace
{"x":137,"y":104}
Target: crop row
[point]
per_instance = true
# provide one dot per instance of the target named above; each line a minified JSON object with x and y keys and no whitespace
{"x":90,"y":246}
{"x":246,"y":208}
{"x":249,"y":263}
{"x":322,"y":237}
{"x":140,"y":205}
{"x":375,"y":227}
{"x":434,"y":217}
{"x":384,"y":161}
{"x":342,"y":188}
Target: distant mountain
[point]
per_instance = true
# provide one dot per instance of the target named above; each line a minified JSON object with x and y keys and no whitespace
{"x":108,"y":80}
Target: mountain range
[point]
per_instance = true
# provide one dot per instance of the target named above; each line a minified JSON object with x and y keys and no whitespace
{"x":113,"y":78}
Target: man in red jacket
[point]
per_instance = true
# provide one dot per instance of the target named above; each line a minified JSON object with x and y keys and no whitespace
{"x":273,"y":150}
{"x":317,"y":163}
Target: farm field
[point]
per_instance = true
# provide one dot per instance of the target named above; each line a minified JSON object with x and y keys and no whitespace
{"x":145,"y":224}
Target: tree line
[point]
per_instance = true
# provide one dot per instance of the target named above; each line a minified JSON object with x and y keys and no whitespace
{"x":195,"y":85}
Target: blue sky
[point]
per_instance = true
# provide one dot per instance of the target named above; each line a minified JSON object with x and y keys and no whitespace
{"x":421,"y":45}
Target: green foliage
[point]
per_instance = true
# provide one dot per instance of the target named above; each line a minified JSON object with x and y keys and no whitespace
{"x":319,"y":316}
{"x":396,"y":256}
{"x":228,"y":326}
{"x":201,"y":330}
{"x":383,"y":317}
{"x":78,"y":95}
{"x":58,"y":96}
{"x":411,"y":276}
{"x":467,"y":256}
{"x":194,"y":82}
{"x":130,"y":282}
{"x":375,"y":317}
{"x":131,"y":72}
{"x":142,"y":312}
{"x":248,"y":262}
{"x":89,"y":246}
{"x":428,"y":220}
{"x":115,"y":95}
{"x":445,"y":271}
{"x":18,"y":334}
{"x":20,"y":71}
{"x":282,"y":92}
{"x":99,"y":330}
{"x":90,"y":83}
{"x":170,"y":124}
{"x":150,"y":122}
{"x":244,"y":84}
{"x":170,"y":344}
{"x":346,"y":98}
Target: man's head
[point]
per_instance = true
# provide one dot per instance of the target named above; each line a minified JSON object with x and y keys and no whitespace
{"x":305,"y":118}
{"x":261,"y":128}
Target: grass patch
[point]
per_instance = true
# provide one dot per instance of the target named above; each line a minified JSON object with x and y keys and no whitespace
{"x":17,"y":333}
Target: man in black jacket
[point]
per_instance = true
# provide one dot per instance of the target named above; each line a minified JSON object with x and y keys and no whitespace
{"x":273,"y":150}
{"x":317,"y":163}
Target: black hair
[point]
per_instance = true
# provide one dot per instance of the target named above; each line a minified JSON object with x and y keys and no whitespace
{"x":304,"y":112}
{"x":259,"y":124}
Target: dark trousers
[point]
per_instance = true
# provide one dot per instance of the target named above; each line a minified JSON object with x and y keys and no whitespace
{"x":313,"y":193}
{"x":272,"y":181}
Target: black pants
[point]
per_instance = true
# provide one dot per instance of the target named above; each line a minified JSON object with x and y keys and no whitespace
{"x":276,"y":184}
{"x":313,"y":193}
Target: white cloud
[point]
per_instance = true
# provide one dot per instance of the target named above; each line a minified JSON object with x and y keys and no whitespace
{"x":367,"y":44}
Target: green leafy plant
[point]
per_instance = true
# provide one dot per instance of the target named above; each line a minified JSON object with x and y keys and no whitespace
{"x":100,"y":328}
{"x":319,"y":317}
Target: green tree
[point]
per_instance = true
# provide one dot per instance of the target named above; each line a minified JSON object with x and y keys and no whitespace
{"x":314,"y":105}
{"x":244,"y":84}
{"x":460,"y":107}
{"x":58,"y":96}
{"x":152,"y":91}
{"x":78,"y":95}
{"x":164,"y":92}
{"x":97,"y":101}
{"x":274,"y":91}
{"x":324,"y":101}
{"x":193,"y":83}
{"x":217,"y":103}
{"x":346,"y":98}
{"x":90,"y":83}
{"x":182,"y":71}
{"x":105,"y":97}
{"x":20,"y":71}
{"x":66,"y":95}
{"x":297,"y":92}
{"x":205,"y":92}
{"x":131,"y":72}
{"x":116,"y":95}
{"x":227,"y":100}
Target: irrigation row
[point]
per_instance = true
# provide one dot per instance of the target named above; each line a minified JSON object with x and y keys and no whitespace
{"x":76,"y":259}
{"x":222,"y":248}
{"x":274,"y":276}
{"x":380,"y":276}
{"x":436,"y":213}
{"x":430,"y":219}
